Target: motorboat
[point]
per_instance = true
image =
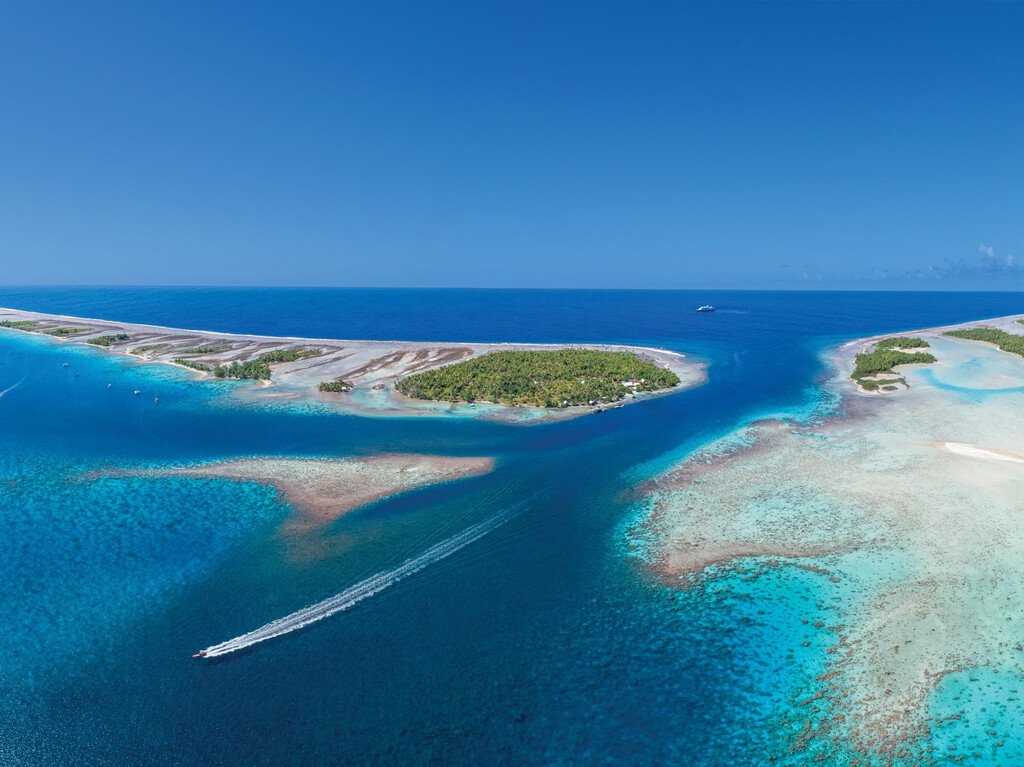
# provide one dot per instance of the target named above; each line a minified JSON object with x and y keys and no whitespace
{"x":706,"y":308}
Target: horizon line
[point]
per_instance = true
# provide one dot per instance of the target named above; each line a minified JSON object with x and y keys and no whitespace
{"x":187,"y":286}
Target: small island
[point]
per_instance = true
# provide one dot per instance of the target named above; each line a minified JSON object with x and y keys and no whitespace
{"x":873,"y":370}
{"x":520,"y":383}
{"x":553,"y":379}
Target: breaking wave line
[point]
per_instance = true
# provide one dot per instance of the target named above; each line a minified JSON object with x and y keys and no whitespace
{"x":357,"y":593}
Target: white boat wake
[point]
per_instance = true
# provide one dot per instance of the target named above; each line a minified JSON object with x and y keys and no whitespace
{"x":11,"y":388}
{"x":357,"y":593}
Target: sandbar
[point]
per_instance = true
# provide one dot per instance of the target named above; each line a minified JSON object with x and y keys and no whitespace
{"x":973,"y":451}
{"x":321,"y":490}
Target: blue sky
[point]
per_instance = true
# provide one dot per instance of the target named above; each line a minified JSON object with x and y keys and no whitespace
{"x":873,"y":145}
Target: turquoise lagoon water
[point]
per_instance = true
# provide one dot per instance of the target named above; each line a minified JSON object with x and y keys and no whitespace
{"x":546,"y":642}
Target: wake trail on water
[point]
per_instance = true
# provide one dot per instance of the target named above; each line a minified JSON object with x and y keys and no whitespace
{"x":360,"y":591}
{"x":12,"y":387}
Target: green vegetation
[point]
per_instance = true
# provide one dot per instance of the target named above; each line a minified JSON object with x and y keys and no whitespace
{"x":884,"y":357}
{"x":259,"y":368}
{"x":338,"y":385}
{"x":62,"y":331}
{"x":886,"y":384}
{"x":1008,"y":342}
{"x":253,"y":369}
{"x":108,"y":340}
{"x":884,"y":360}
{"x":902,"y":342}
{"x":32,"y":325}
{"x":202,"y":350}
{"x":18,"y":324}
{"x":288,"y":355}
{"x":192,"y":364}
{"x":557,"y":378}
{"x":147,"y":349}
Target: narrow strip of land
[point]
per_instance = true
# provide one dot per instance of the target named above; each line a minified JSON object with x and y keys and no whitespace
{"x":344,"y":371}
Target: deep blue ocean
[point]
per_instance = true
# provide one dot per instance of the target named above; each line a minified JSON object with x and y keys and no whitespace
{"x":546,"y":642}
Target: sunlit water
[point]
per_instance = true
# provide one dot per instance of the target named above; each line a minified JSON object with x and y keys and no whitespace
{"x":546,"y":641}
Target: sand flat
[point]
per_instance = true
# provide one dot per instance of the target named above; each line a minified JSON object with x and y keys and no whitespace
{"x":972,"y":451}
{"x":322,"y":490}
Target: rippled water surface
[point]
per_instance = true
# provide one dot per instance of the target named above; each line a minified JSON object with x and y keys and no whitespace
{"x":545,"y":641}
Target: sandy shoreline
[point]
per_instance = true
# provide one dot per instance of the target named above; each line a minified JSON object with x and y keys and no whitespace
{"x":371,"y":367}
{"x":842,"y":357}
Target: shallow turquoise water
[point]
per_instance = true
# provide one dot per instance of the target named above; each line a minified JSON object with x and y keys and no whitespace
{"x":982,"y":714}
{"x":545,"y":642}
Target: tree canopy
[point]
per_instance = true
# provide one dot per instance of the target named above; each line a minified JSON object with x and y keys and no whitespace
{"x":1008,"y":342}
{"x":556,"y":378}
